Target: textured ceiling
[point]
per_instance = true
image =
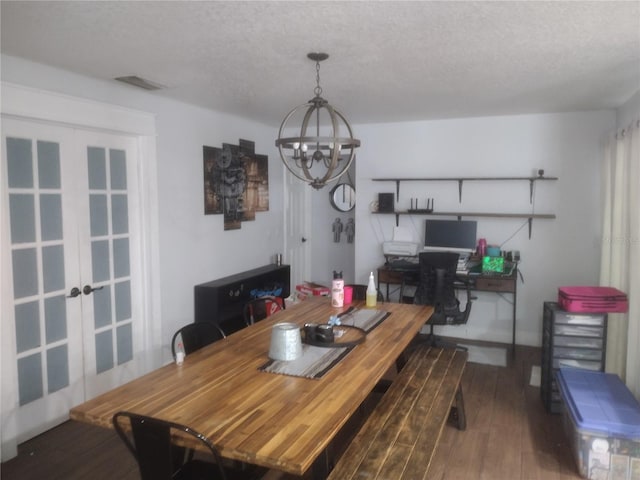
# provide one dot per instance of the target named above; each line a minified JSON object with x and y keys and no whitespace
{"x":389,"y":61}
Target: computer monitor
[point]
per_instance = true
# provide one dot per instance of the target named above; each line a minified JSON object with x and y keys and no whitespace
{"x":450,"y":235}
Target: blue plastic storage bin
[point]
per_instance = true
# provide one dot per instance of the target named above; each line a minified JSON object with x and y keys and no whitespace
{"x":602,"y":419}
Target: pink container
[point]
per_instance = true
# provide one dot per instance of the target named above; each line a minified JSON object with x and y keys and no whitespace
{"x":592,"y":299}
{"x":348,"y":295}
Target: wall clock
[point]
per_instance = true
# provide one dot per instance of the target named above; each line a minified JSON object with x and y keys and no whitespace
{"x":343,"y":197}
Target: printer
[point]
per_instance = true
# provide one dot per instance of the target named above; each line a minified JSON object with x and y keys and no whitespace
{"x":401,"y":245}
{"x":403,"y":249}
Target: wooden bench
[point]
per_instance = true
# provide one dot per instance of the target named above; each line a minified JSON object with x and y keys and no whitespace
{"x":399,"y":438}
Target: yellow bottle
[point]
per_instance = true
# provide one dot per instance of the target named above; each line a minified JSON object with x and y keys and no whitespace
{"x":372,"y":292}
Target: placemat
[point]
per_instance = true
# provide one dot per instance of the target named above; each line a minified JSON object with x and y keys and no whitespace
{"x":316,"y":361}
{"x":366,"y":319}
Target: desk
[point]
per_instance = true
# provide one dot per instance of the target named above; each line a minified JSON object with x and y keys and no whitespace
{"x":274,"y":421}
{"x":480,"y":283}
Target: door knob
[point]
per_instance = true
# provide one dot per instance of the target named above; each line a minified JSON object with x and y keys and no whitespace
{"x":75,"y":291}
{"x":88,"y":289}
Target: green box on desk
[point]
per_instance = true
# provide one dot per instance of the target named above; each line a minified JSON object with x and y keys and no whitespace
{"x":602,"y":419}
{"x":492,"y":264}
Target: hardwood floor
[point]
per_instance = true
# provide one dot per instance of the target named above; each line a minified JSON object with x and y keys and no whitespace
{"x":509,"y":436}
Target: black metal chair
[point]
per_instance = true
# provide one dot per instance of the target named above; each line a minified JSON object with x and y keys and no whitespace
{"x":260,"y":308}
{"x":436,"y":287}
{"x":196,"y":335}
{"x":154,"y":445}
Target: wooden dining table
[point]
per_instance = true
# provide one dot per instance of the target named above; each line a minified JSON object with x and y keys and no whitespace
{"x":266,"y":419}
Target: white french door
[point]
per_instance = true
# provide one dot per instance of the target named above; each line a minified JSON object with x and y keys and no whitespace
{"x":108,"y":240}
{"x":71,"y":294}
{"x":298,"y":242}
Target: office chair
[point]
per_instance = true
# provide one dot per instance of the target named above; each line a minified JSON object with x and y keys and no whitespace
{"x":260,"y":308}
{"x":196,"y":335}
{"x":150,"y":440}
{"x":436,"y":287}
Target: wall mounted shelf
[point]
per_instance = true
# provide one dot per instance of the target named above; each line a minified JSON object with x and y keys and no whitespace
{"x":460,"y":181}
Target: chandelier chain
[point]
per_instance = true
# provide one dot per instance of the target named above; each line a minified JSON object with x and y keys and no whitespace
{"x":318,"y":89}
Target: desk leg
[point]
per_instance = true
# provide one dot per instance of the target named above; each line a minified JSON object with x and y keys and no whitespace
{"x":513,"y":338}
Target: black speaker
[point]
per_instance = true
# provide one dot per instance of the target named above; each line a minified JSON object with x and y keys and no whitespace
{"x":385,"y":202}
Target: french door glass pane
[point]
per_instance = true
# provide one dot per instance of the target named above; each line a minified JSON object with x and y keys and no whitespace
{"x":123,"y":301}
{"x":48,"y":165}
{"x":120,"y":213}
{"x":102,"y":307}
{"x":19,"y":163}
{"x":30,"y":378}
{"x":97,"y":168}
{"x":100,"y":260}
{"x":53,"y":268}
{"x":125,"y":343}
{"x":22,"y":211}
{"x":27,"y":316}
{"x":99,"y":215}
{"x":57,"y":368}
{"x":121,"y":257}
{"x":55,"y":318}
{"x":51,"y":216}
{"x":118,"y":166}
{"x":25,"y":272}
{"x":104,"y":351}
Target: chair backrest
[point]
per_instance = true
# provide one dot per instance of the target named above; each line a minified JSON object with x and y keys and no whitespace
{"x":194,"y":336}
{"x":436,"y":287}
{"x":260,"y":308}
{"x":150,"y":441}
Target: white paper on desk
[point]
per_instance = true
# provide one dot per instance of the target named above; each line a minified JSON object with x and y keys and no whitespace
{"x":402,"y":234}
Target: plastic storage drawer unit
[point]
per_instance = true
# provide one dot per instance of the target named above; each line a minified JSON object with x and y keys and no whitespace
{"x":569,"y":340}
{"x":602,"y":420}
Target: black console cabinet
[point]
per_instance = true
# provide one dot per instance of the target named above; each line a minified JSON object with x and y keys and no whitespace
{"x":221,"y":301}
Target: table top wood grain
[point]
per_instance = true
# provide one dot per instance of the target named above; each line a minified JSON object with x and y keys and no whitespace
{"x":275,"y":421}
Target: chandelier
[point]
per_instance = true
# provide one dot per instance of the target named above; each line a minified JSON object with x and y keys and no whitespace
{"x":317,"y":154}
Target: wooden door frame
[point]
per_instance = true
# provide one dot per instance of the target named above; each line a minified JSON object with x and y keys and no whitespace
{"x":36,"y":105}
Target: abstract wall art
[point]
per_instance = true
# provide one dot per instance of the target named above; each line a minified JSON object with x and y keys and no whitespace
{"x":236,"y":182}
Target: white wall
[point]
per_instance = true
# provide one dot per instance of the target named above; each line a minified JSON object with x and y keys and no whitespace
{"x":329,"y":256}
{"x":564,"y":251}
{"x":629,"y":112}
{"x":194,"y":248}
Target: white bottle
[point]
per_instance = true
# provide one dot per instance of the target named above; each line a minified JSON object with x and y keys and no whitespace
{"x":337,"y":290}
{"x":372,"y":292}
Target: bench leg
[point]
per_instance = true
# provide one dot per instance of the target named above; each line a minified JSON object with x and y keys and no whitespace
{"x":401,"y":361}
{"x":462,"y":418}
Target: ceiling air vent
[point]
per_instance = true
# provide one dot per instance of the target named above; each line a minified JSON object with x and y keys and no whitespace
{"x":140,"y":82}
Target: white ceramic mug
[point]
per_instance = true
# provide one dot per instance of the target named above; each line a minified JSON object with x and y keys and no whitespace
{"x":286,"y":342}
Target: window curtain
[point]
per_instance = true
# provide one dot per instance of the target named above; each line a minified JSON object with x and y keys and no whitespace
{"x":620,"y":257}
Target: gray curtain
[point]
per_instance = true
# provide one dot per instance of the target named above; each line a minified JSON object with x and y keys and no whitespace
{"x":620,"y":256}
